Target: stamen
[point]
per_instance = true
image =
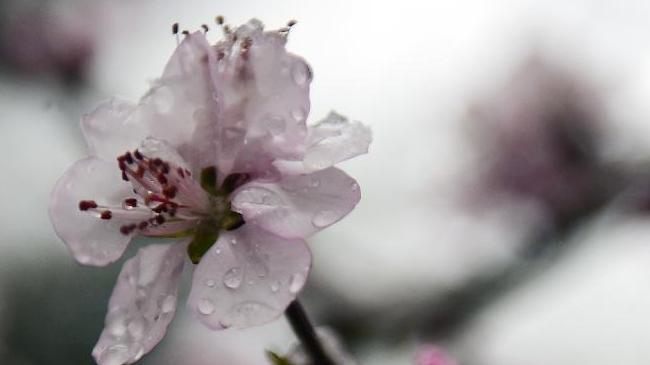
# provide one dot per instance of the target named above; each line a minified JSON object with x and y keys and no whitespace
{"x":131,"y":202}
{"x":205,"y":28}
{"x":170,"y":192}
{"x":159,"y":219}
{"x":138,"y":155}
{"x":106,"y":215}
{"x":87,"y":204}
{"x":124,"y":176}
{"x":128,"y":157}
{"x":219,"y":19}
{"x":175,"y":28}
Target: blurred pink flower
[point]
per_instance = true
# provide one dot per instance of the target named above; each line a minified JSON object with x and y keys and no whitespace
{"x":216,"y":156}
{"x":433,"y":355}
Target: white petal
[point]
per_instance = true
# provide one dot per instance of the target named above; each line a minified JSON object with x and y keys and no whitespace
{"x":111,"y":130}
{"x":92,"y":241}
{"x":248,"y":278}
{"x":332,"y":140}
{"x":264,"y":99}
{"x":298,"y":205}
{"x":143,"y":303}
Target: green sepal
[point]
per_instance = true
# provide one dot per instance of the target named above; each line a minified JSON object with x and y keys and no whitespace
{"x":277,"y":359}
{"x":233,"y":181}
{"x":232,"y":220}
{"x":209,"y":180}
{"x":206,"y":235}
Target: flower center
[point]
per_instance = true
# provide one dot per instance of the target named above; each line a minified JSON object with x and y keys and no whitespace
{"x":169,"y":202}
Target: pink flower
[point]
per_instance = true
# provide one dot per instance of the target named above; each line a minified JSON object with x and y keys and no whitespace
{"x":218,"y":159}
{"x":433,"y":355}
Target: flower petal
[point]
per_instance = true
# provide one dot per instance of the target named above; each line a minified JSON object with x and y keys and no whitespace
{"x":248,"y":278}
{"x":298,"y":205}
{"x":143,"y":303}
{"x":183,"y":98}
{"x":264,"y":95}
{"x":111,"y":130}
{"x":332,"y":140}
{"x":92,"y":241}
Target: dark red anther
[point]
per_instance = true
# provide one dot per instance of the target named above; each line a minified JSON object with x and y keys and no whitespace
{"x":205,"y":28}
{"x":87,"y":204}
{"x":156,"y":161}
{"x":160,"y":208}
{"x":128,"y":157}
{"x":160,"y":219}
{"x":121,"y":164}
{"x":138,"y":155}
{"x":142,"y":225}
{"x":169,"y":192}
{"x":161,"y":179}
{"x":175,"y":28}
{"x":165,"y":168}
{"x":186,"y":32}
{"x":125,"y":177}
{"x":125,"y":230}
{"x":106,"y":215}
{"x":172,"y":212}
{"x":131,"y":202}
{"x":140,"y":171}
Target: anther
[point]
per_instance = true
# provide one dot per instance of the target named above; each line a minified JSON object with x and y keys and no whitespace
{"x":186,"y":32}
{"x":161,"y":179}
{"x":87,"y":204}
{"x":138,"y":155}
{"x":131,"y":202}
{"x":291,"y":23}
{"x":205,"y":28}
{"x":169,"y":192}
{"x":165,"y":168}
{"x":106,"y":215}
{"x":159,"y":219}
{"x":128,"y":157}
{"x":142,"y":225}
{"x":124,"y":176}
{"x":219,"y":19}
{"x":175,"y":28}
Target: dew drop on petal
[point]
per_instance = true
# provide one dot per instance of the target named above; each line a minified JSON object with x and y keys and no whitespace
{"x":205,"y":306}
{"x":298,"y":114}
{"x":275,"y":125}
{"x":209,"y":283}
{"x":138,"y":354}
{"x":136,"y":329}
{"x":232,"y":278}
{"x":296,"y":282}
{"x":324,"y":218}
{"x":168,"y":304}
{"x":275,"y":286}
{"x":233,"y":241}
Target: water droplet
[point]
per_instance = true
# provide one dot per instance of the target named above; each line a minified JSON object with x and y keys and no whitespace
{"x":296,"y":283}
{"x":233,"y":278}
{"x":275,"y":124}
{"x":233,"y":241}
{"x":205,"y":306}
{"x":168,"y":304}
{"x":324,"y":218}
{"x":217,"y":251}
{"x":117,"y":327}
{"x":298,"y":114}
{"x":234,"y":133}
{"x":300,"y":73}
{"x":209,"y":283}
{"x":275,"y":286}
{"x":136,"y":328}
{"x":83,"y":259}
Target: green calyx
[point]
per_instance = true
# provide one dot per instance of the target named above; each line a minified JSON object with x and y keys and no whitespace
{"x":222,"y":216}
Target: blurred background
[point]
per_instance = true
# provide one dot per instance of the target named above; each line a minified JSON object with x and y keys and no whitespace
{"x":506,"y":198}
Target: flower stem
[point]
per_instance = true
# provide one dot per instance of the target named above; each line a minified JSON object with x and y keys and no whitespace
{"x":305,"y":332}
